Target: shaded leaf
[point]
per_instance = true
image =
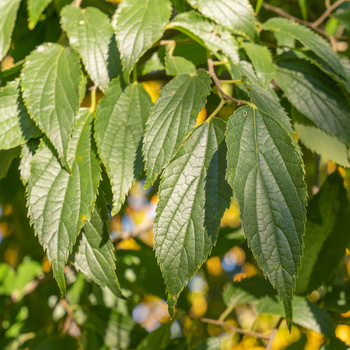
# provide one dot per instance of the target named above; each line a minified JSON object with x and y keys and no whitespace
{"x":94,"y":253}
{"x":90,"y":33}
{"x":266,"y":172}
{"x":306,"y":314}
{"x":60,"y":203}
{"x":120,"y":121}
{"x":308,"y":38}
{"x":50,"y":81}
{"x":238,"y":15}
{"x":6,"y":159}
{"x":27,"y":153}
{"x":327,"y":235}
{"x":138,"y":26}
{"x":172,"y":118}
{"x":176,"y":65}
{"x":16,"y":127}
{"x":316,"y":96}
{"x":35,"y":9}
{"x":8,"y":13}
{"x":158,"y":339}
{"x":193,"y":196}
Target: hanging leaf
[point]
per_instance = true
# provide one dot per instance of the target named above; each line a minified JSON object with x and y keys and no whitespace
{"x":35,"y":10}
{"x":316,"y":96}
{"x":138,"y":25}
{"x":237,"y":15}
{"x":178,"y":65}
{"x":266,"y":172}
{"x":94,"y":252}
{"x":16,"y":127}
{"x":172,"y":118}
{"x":8,"y":13}
{"x":120,"y":121}
{"x":50,"y":81}
{"x":59,"y":203}
{"x":90,"y":33}
{"x":309,"y":39}
{"x":6,"y":159}
{"x":27,"y":153}
{"x":193,"y":196}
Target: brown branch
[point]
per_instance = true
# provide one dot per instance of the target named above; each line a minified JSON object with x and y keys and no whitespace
{"x":70,"y":316}
{"x":232,"y":328}
{"x":326,"y":14}
{"x":273,"y":334}
{"x":77,"y":3}
{"x":217,"y":82}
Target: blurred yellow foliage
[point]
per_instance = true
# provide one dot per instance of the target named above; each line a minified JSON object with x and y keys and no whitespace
{"x":314,"y":341}
{"x":202,"y":116}
{"x":231,"y":216}
{"x":128,"y":244}
{"x":284,"y":338}
{"x":46,"y":265}
{"x":11,"y":256}
{"x":214,"y":266}
{"x":343,"y":333}
{"x":153,"y":88}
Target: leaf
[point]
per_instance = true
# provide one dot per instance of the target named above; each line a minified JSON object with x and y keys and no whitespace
{"x":178,"y":65}
{"x":262,"y":61}
{"x":193,"y":196}
{"x":318,"y":141}
{"x":138,"y":26}
{"x":303,"y":8}
{"x":50,"y":81}
{"x":306,"y":314}
{"x":334,"y":344}
{"x":8,"y":13}
{"x":59,"y":203}
{"x":236,"y":15}
{"x":94,"y":253}
{"x":316,"y":96}
{"x":90,"y":32}
{"x":343,"y":14}
{"x":308,"y":38}
{"x":16,"y":127}
{"x":35,"y":9}
{"x":266,"y":172}
{"x":158,"y":339}
{"x":27,"y":153}
{"x":6,"y":159}
{"x":210,"y":35}
{"x":247,"y":291}
{"x":327,"y":235}
{"x":172,"y":118}
{"x":120,"y":121}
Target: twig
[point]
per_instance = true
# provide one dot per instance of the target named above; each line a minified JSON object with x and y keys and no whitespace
{"x":273,"y":334}
{"x":326,"y":14}
{"x":70,"y":319}
{"x":217,"y":82}
{"x":232,"y":328}
{"x":77,"y":3}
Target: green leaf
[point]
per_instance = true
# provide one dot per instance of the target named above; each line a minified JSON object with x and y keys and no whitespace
{"x":57,"y":343}
{"x":309,"y":39}
{"x":172,"y":118}
{"x":303,"y":8}
{"x":266,"y":172}
{"x":237,"y":15}
{"x":178,"y":65}
{"x":8,"y":13}
{"x":50,"y":81}
{"x":334,"y":344}
{"x":117,"y":330}
{"x":94,"y":253}
{"x":158,"y":339}
{"x":247,"y":291}
{"x":120,"y":122}
{"x":27,"y":153}
{"x":6,"y":159}
{"x":318,"y":141}
{"x":343,"y":15}
{"x":193,"y":196}
{"x":327,"y":235}
{"x":138,"y":25}
{"x":35,"y":9}
{"x":16,"y":127}
{"x":90,"y":32}
{"x":210,"y":35}
{"x":262,"y":61}
{"x":59,"y":203}
{"x":316,"y":96}
{"x":306,"y":314}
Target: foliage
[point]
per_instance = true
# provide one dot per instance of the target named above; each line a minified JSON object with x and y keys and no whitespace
{"x":183,"y":113}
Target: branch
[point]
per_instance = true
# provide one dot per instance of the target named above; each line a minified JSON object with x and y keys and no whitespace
{"x":326,"y":14}
{"x":77,"y":3}
{"x":217,"y":82}
{"x":273,"y":334}
{"x":232,"y":328}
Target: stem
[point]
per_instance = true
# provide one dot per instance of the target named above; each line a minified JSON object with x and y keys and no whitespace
{"x":326,"y":14}
{"x":232,"y":328}
{"x":227,"y":312}
{"x":273,"y":334}
{"x":216,"y":80}
{"x":77,"y":3}
{"x":93,"y":99}
{"x":231,"y":81}
{"x":134,"y":74}
{"x":217,"y":110}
